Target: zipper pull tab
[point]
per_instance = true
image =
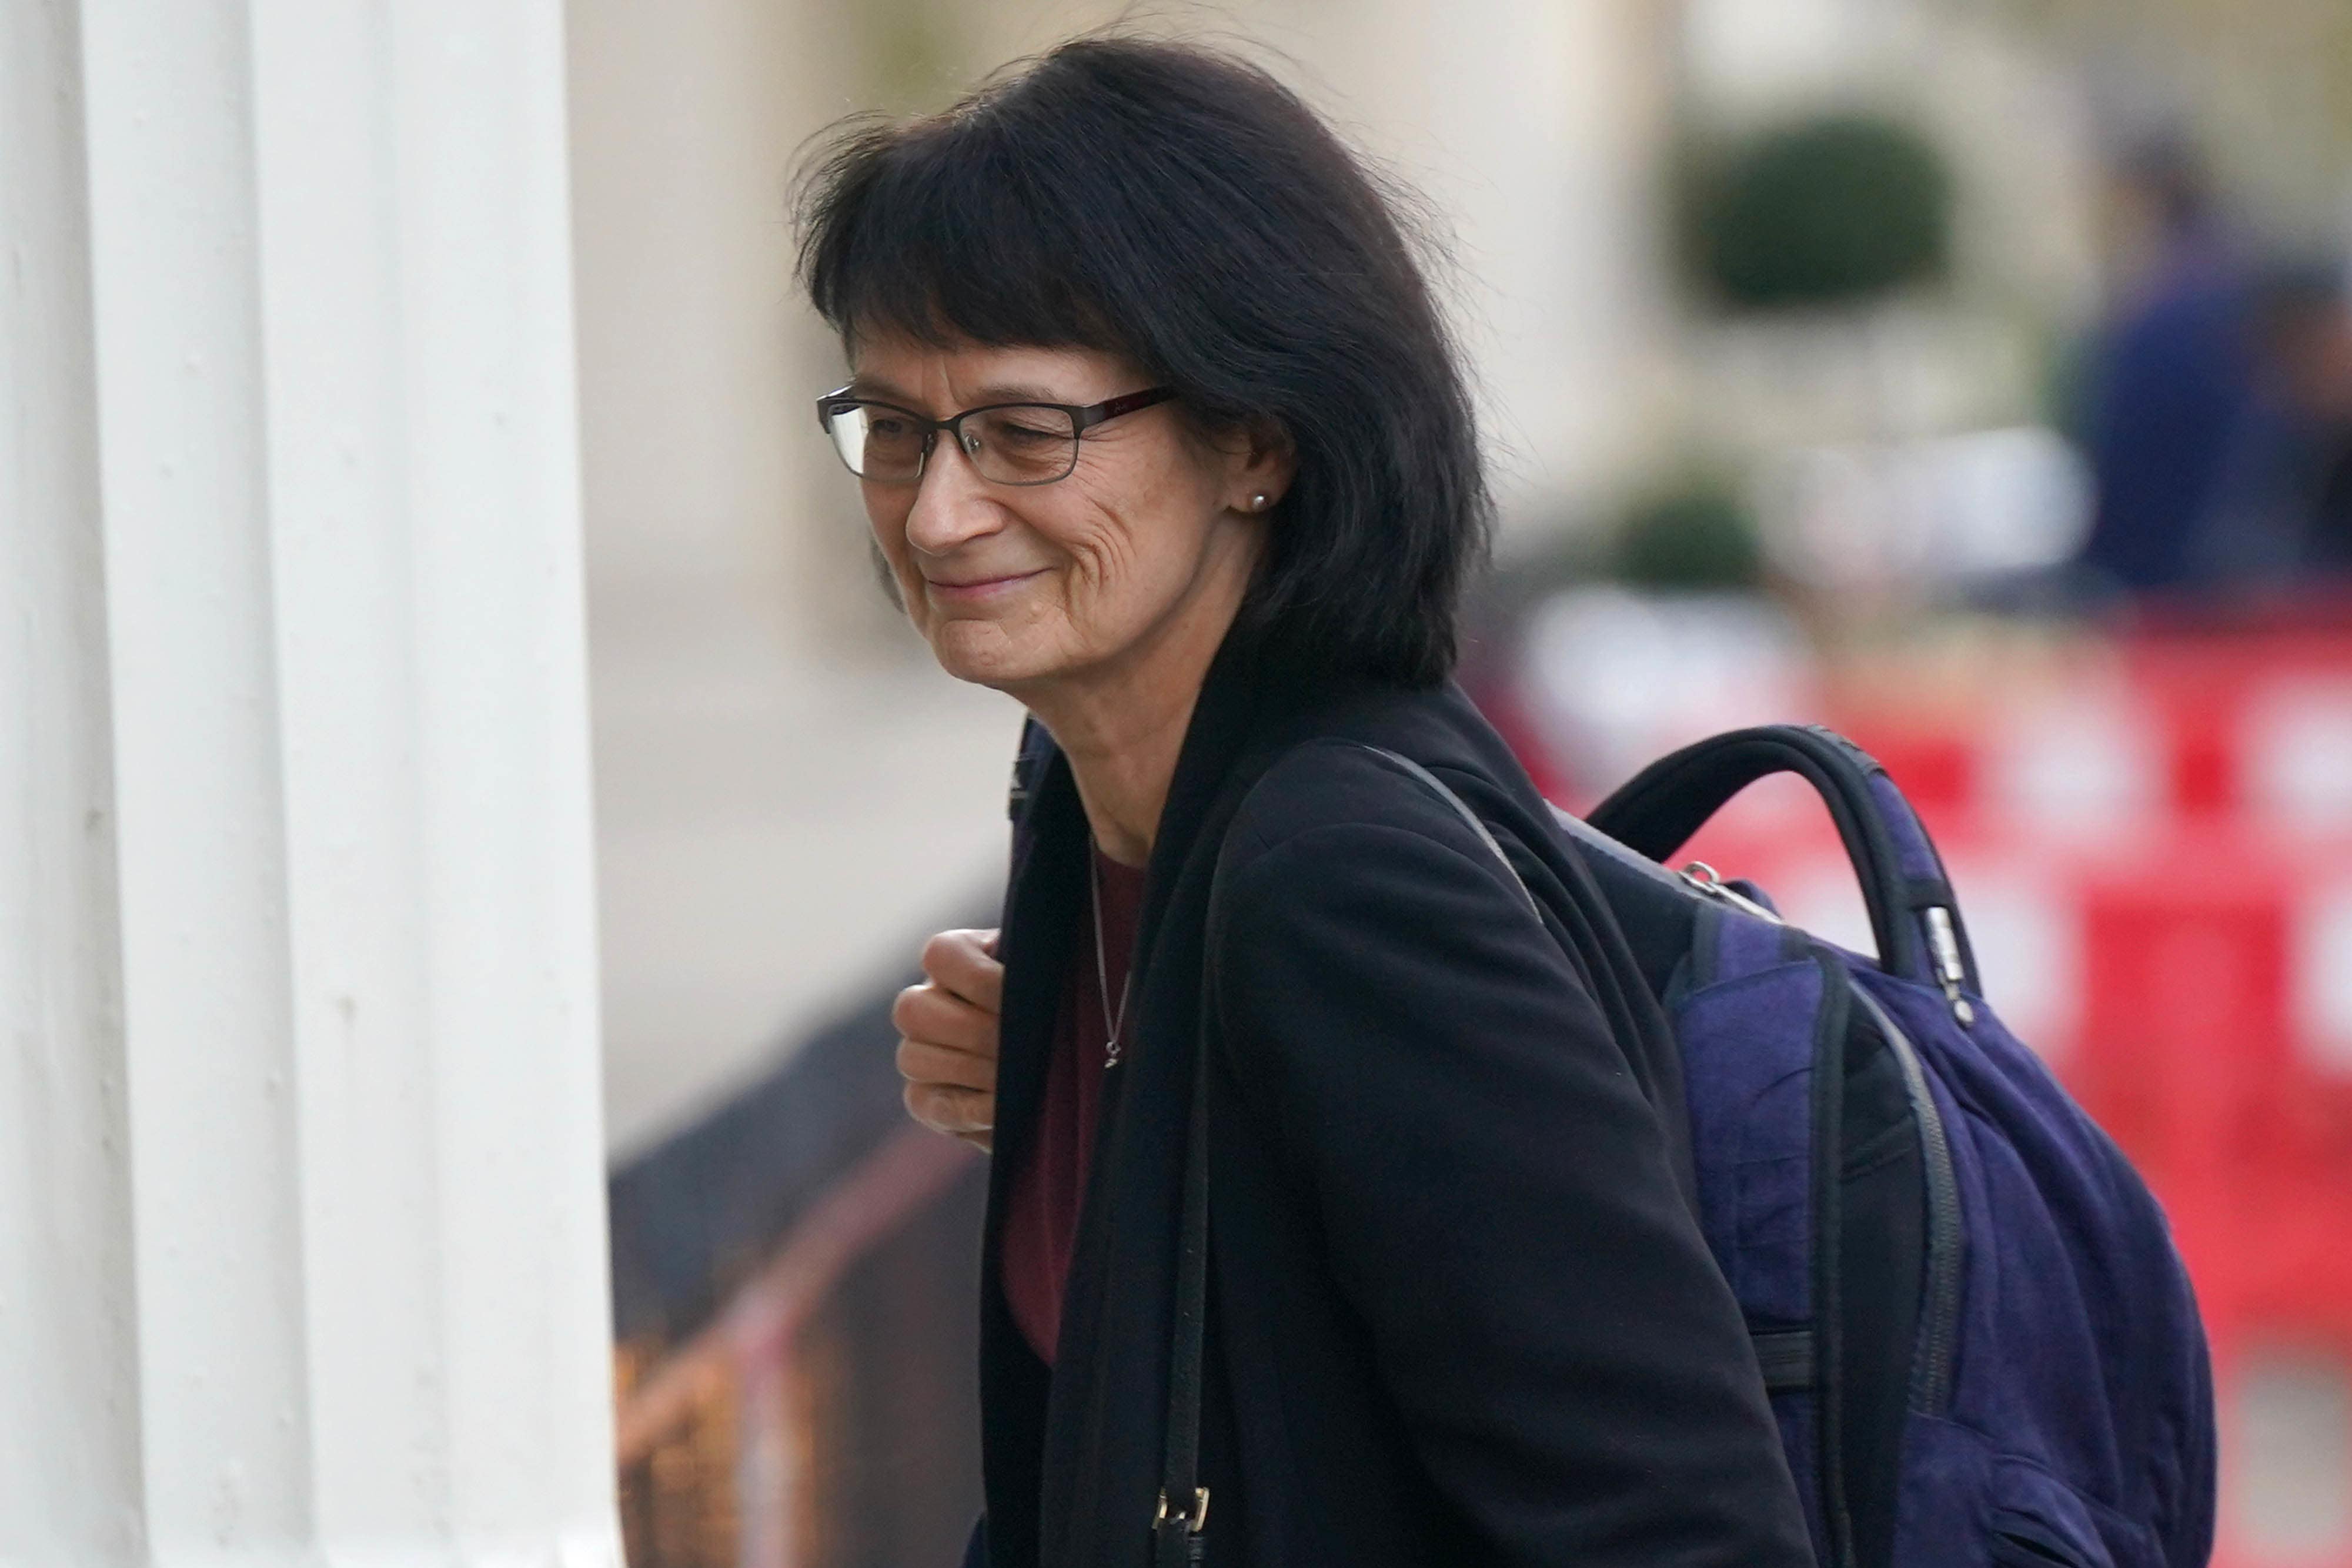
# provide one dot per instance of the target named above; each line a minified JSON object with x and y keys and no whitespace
{"x":1704,"y":878}
{"x":1944,"y":947}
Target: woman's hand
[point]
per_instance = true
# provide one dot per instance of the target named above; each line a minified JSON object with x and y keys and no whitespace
{"x":947,"y":1027}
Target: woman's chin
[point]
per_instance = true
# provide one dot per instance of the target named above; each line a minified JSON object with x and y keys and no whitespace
{"x":981,"y":652}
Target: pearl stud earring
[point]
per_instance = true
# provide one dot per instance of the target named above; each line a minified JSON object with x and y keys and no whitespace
{"x":1259,"y":502}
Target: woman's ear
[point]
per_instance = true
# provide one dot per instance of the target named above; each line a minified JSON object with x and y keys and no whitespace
{"x":1263,"y":466}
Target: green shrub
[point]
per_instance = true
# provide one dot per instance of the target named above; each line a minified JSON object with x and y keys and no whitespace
{"x":1829,"y":211}
{"x":1694,"y":535}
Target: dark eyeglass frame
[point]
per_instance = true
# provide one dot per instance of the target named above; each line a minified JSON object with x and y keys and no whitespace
{"x":1082,"y":418}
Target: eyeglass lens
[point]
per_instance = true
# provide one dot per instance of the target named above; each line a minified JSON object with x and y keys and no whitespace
{"x":1020,"y":444}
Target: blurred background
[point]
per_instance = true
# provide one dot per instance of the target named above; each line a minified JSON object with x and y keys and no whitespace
{"x":1972,"y":375}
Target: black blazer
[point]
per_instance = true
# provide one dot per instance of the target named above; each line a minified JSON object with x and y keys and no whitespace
{"x":1460,"y":1309}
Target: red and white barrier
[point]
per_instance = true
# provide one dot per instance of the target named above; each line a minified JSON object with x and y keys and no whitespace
{"x":2151,"y":844}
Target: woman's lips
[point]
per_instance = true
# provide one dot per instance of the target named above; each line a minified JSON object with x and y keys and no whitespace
{"x":979,"y":588}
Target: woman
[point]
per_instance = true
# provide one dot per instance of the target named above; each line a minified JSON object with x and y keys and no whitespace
{"x":1159,"y":430}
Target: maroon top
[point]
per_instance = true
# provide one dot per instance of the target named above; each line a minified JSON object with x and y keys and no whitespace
{"x":1041,"y":1215}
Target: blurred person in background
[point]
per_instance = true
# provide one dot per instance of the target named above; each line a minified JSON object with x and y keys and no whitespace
{"x":2218,"y":410}
{"x":1159,"y":429}
{"x":2169,"y":376}
{"x":2282,"y":516}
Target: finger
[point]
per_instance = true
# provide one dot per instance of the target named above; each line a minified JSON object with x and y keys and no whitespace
{"x":954,"y":1110}
{"x":928,"y":1013}
{"x":921,"y":1061}
{"x":945,"y":1110}
{"x":960,"y":962}
{"x":925,"y":1010}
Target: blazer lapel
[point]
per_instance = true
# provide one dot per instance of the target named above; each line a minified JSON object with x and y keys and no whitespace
{"x":1043,"y":901}
{"x":1079,"y":1488}
{"x":1105,"y":1420}
{"x":1043,"y":906}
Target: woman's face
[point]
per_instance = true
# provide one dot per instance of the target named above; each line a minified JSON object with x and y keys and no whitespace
{"x":1152,"y":538}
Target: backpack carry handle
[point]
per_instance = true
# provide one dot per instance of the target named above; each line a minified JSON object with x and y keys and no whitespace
{"x":1912,"y":917}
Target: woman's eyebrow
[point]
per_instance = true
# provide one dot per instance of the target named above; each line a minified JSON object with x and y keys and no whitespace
{"x":1000,"y":391}
{"x":1025,"y":391}
{"x":875,"y":388}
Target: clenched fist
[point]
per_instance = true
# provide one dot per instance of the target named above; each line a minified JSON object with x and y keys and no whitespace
{"x":947,"y":1027}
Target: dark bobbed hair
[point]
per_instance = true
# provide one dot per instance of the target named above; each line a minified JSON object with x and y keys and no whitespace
{"x":1182,"y":208}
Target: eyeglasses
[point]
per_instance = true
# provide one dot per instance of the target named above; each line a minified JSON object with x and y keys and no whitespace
{"x":1007,"y":442}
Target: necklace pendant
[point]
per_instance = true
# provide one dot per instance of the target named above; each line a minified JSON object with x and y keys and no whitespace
{"x":1112,"y":1022}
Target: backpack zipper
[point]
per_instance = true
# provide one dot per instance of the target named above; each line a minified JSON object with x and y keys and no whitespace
{"x":1931,"y":1377}
{"x":1704,"y":878}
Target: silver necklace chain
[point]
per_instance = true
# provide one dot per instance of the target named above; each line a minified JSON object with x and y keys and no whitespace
{"x":1111,"y":1024}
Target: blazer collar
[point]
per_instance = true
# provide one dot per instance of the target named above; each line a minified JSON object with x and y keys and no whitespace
{"x":1236,"y":696}
{"x":1046,"y":901}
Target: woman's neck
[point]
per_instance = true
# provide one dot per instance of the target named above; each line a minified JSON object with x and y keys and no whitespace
{"x":1122,"y":726}
{"x":1123,"y":758}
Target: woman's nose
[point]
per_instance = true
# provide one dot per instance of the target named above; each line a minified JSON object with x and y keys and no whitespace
{"x":952,"y":504}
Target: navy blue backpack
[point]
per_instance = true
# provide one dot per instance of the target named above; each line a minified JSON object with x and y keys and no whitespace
{"x":1978,"y":1340}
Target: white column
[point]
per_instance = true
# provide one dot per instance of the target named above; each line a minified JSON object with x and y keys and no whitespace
{"x":301,"y":1230}
{"x":69,"y":1463}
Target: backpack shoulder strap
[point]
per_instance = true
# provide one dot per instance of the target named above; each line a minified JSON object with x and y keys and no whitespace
{"x":1477,"y":823}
